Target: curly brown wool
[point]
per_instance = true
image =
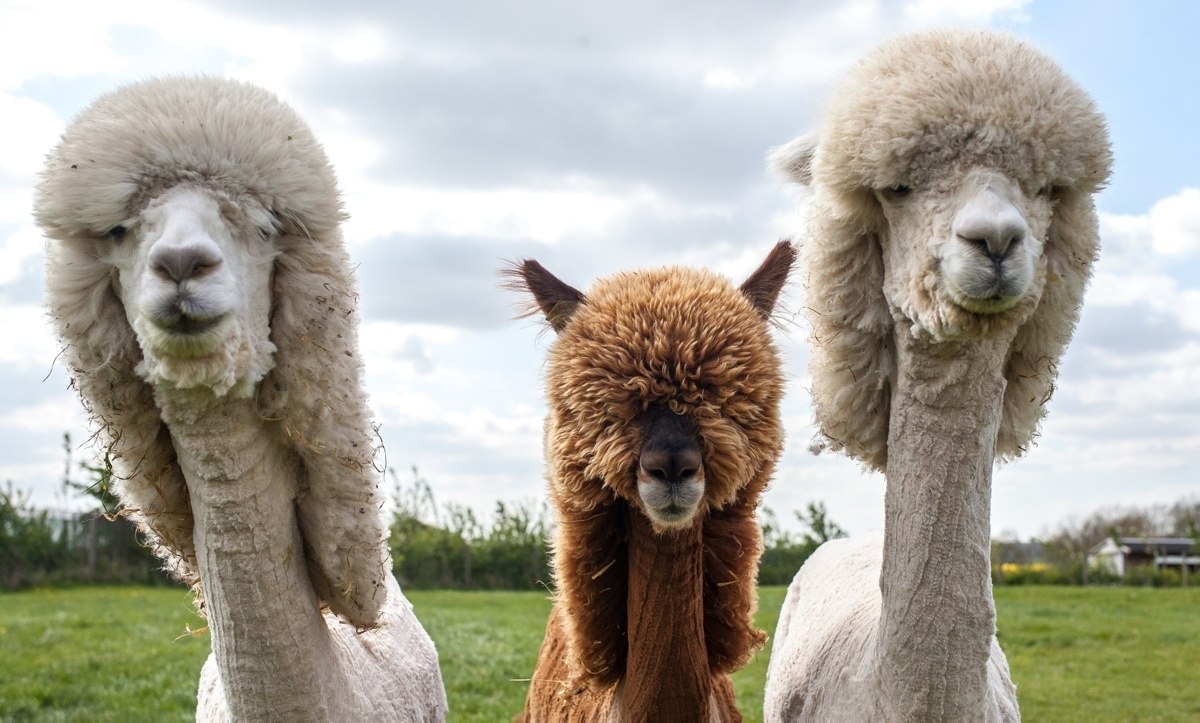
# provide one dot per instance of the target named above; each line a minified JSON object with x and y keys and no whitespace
{"x":654,"y":608}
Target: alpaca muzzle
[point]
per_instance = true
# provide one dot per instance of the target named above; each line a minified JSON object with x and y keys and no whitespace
{"x":670,"y":472}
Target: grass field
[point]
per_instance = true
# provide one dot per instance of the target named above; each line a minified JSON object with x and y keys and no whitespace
{"x":1078,"y":654}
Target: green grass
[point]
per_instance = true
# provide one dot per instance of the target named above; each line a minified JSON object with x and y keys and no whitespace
{"x":1103,"y":654}
{"x":111,"y":653}
{"x":1094,"y":654}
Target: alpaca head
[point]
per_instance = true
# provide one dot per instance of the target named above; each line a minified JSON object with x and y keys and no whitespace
{"x":194,"y":243}
{"x":663,"y":387}
{"x":952,"y":189}
{"x":194,"y":277}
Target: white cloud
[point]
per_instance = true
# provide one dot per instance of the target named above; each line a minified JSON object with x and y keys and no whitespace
{"x":30,"y":128}
{"x":23,"y":244}
{"x":604,"y":141}
{"x":979,"y":11}
{"x":41,"y":39}
{"x":49,"y":417}
{"x":28,"y":341}
{"x":547,"y":215}
{"x":1175,"y":224}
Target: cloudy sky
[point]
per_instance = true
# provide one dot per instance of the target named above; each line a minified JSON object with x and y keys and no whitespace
{"x":601,"y":136}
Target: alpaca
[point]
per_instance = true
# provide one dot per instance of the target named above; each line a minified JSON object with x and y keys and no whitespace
{"x":198,"y":280}
{"x":663,"y":429}
{"x":952,"y":233}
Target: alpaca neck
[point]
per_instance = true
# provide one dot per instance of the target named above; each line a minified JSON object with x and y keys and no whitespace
{"x":938,"y":617}
{"x":269,"y":639}
{"x":666,"y":671}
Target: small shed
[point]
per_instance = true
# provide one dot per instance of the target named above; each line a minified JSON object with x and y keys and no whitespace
{"x":1118,"y":554}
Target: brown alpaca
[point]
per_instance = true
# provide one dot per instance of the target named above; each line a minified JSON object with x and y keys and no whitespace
{"x":663,"y":429}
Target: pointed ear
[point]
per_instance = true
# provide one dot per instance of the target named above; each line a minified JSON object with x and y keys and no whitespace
{"x":764,"y":285}
{"x":555,"y":299}
{"x":794,"y":159}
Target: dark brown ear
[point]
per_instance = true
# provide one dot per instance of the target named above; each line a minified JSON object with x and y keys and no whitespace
{"x":555,"y":299}
{"x":764,"y":285}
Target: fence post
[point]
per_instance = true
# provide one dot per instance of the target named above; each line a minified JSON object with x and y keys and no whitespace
{"x":93,"y":543}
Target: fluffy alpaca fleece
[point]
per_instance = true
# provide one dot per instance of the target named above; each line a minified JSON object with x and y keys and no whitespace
{"x":919,"y":113}
{"x":212,"y":192}
{"x":650,"y":618}
{"x":951,"y":235}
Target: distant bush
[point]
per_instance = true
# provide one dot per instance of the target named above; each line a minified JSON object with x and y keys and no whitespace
{"x":1031,"y":573}
{"x":39,"y":548}
{"x":1147,"y":576}
{"x":447,"y":547}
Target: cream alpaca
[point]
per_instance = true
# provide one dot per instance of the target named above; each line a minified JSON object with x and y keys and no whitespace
{"x":663,"y":429}
{"x":951,"y":235}
{"x":198,"y":279}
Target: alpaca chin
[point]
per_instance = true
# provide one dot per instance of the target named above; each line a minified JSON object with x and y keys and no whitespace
{"x":671,"y":507}
{"x":937,"y":310}
{"x":224,"y":359}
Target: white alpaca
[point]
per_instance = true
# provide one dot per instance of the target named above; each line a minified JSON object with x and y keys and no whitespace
{"x":951,"y":235}
{"x":198,"y":279}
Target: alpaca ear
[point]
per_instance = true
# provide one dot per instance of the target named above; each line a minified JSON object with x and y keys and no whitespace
{"x":764,"y":285}
{"x":851,"y":356}
{"x":793,"y":160}
{"x":556,"y":299}
{"x":101,"y":354}
{"x":315,"y":392}
{"x":1072,"y":245}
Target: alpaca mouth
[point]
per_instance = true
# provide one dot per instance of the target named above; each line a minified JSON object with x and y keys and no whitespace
{"x":671,"y":505}
{"x":188,"y":327}
{"x":674,"y":512}
{"x":185,"y":336}
{"x":672,"y":517}
{"x":996,"y":296}
{"x":995,"y":304}
{"x":184,"y":317}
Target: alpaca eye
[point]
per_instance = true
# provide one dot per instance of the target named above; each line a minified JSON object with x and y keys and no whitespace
{"x":1047,"y":190}
{"x":897,"y":192}
{"x":116,"y":233}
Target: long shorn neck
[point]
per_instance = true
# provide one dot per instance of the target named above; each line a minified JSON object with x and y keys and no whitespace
{"x":269,"y":640}
{"x":666,"y":675}
{"x":938,"y":617}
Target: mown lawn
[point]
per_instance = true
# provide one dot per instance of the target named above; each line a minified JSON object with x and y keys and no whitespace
{"x":1078,"y":654}
{"x":1103,"y":654}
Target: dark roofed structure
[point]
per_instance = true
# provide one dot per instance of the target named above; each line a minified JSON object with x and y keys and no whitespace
{"x":1118,"y":554}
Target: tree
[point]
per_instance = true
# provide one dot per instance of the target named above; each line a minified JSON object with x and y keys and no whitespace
{"x":783,"y":554}
{"x":821,"y":529}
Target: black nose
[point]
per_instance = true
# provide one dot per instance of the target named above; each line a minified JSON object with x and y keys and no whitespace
{"x":670,"y":445}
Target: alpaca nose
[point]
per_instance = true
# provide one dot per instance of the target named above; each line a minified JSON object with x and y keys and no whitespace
{"x":990,"y":223}
{"x":670,"y":446}
{"x":671,"y":464}
{"x":181,"y":262}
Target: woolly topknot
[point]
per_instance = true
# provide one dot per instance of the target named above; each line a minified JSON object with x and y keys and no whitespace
{"x":681,"y":337}
{"x":923,"y":112}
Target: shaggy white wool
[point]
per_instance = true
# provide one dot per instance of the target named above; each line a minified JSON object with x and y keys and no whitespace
{"x":951,"y":235}
{"x":271,"y":183}
{"x":198,"y":279}
{"x":927,"y":114}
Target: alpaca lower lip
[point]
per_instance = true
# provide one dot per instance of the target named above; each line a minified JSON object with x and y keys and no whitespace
{"x":991,"y":300}
{"x":189,"y":326}
{"x":674,"y":513}
{"x":988,"y":305}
